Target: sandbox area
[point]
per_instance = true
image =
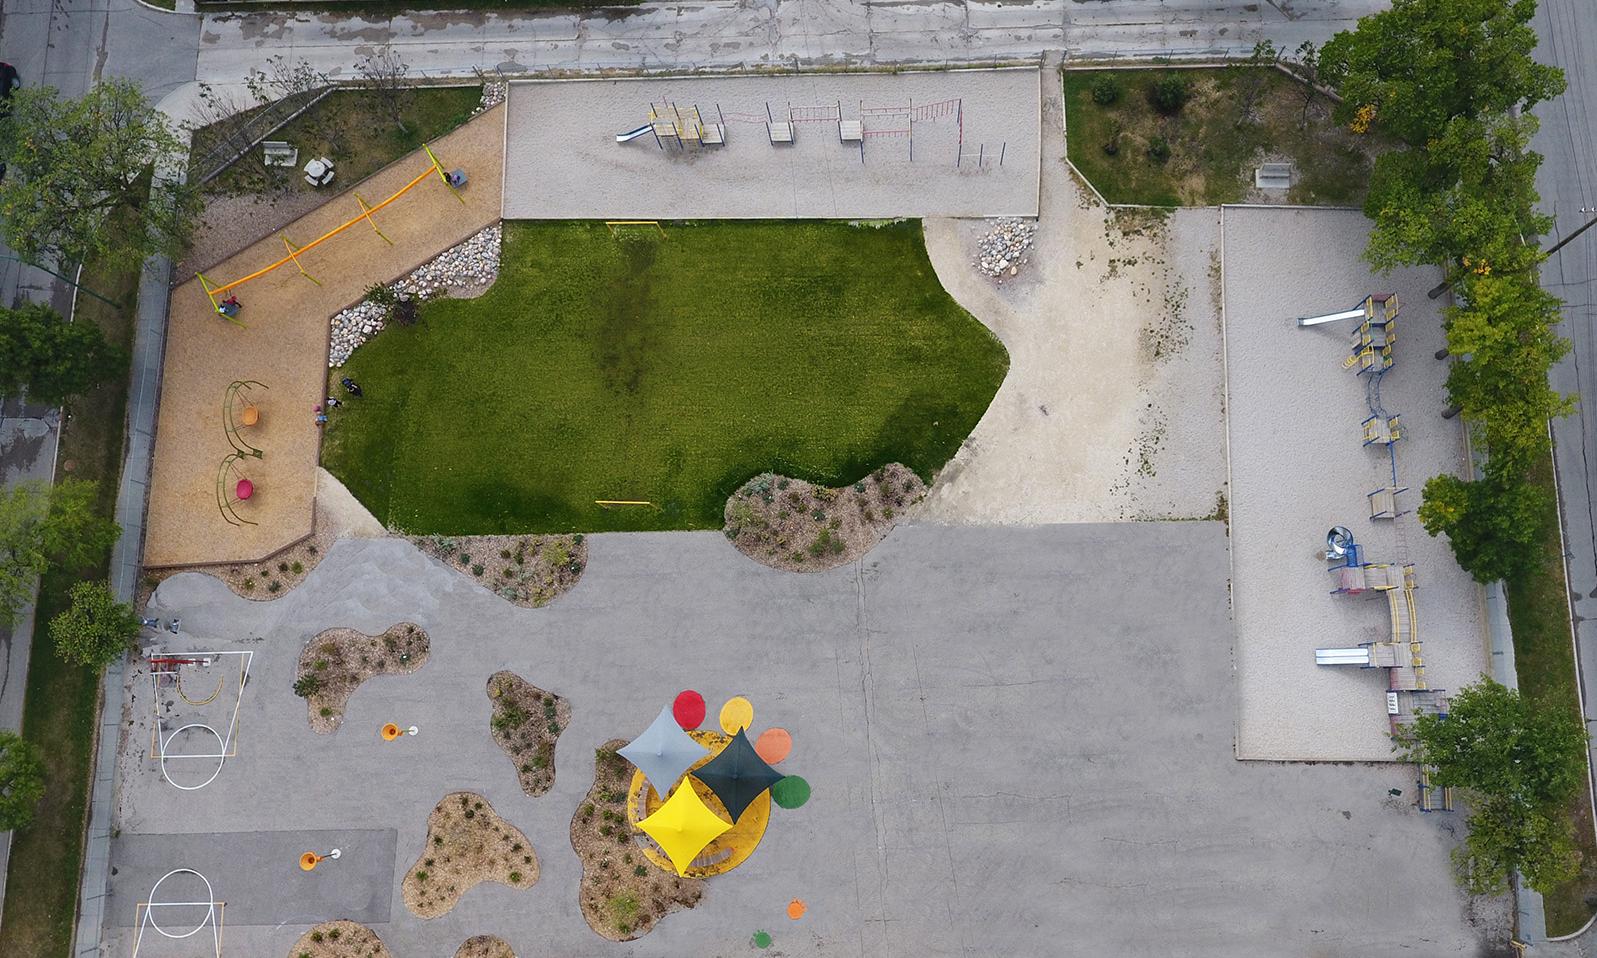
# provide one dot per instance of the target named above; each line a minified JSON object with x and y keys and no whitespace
{"x":973,"y":135}
{"x":283,"y":345}
{"x":1298,"y":467}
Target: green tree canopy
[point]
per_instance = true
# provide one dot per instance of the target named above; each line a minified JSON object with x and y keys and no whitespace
{"x":42,"y":524}
{"x":1493,"y":524}
{"x":96,"y":629}
{"x":1471,"y":193}
{"x":21,"y":781}
{"x":1522,"y":763}
{"x":1425,"y":62}
{"x":72,"y":163}
{"x":53,"y":360}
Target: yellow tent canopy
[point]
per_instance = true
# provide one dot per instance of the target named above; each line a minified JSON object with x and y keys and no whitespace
{"x":683,"y":826}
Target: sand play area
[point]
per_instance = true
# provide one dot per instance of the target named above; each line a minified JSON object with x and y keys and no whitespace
{"x":945,"y":143}
{"x":283,"y":346}
{"x":1298,"y":467}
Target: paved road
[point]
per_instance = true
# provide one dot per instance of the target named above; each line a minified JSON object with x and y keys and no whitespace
{"x":1568,"y":182}
{"x":730,"y":33}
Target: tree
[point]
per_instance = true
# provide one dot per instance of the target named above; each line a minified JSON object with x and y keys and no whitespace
{"x":1523,"y":762}
{"x":1307,"y":66}
{"x":1425,"y":62}
{"x":1168,"y":93}
{"x":1250,"y":77}
{"x":1471,"y":192}
{"x":1493,"y":524}
{"x":97,"y":629}
{"x":42,"y":525}
{"x":384,"y":74}
{"x":21,"y":781}
{"x":51,"y":359}
{"x":76,"y":162}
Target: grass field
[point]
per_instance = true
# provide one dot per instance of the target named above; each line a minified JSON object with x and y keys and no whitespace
{"x":1544,"y":657}
{"x":666,"y":369}
{"x":350,"y":128}
{"x":1212,"y":155}
{"x":59,"y":709}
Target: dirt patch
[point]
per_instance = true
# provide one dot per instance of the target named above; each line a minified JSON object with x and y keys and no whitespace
{"x":528,"y":571}
{"x":526,"y":723}
{"x":485,"y":946}
{"x":467,"y":843}
{"x":334,"y":664}
{"x":339,"y":939}
{"x":801,"y":527}
{"x":622,"y":895}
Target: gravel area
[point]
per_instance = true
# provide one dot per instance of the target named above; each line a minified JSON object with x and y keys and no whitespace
{"x":526,"y":723}
{"x":1112,"y":406}
{"x":337,"y":661}
{"x":467,"y":844}
{"x":340,"y":939}
{"x":485,"y":946}
{"x":1298,"y":468}
{"x":801,"y":527}
{"x":563,"y":161}
{"x":622,"y":896}
{"x":528,"y":571}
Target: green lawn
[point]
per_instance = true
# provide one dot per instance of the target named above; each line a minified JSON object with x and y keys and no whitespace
{"x":59,"y":709}
{"x":1212,"y":155}
{"x":1538,"y":613}
{"x":349,"y":127}
{"x":668,"y":370}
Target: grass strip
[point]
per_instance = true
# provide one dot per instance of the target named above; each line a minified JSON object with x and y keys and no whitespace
{"x":1544,"y":658}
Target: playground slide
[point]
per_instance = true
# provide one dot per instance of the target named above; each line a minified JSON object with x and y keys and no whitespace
{"x":633,"y":134}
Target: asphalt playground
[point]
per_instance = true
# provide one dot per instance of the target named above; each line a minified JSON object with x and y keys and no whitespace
{"x":1020,"y":742}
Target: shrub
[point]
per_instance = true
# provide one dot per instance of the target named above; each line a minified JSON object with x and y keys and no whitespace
{"x":404,"y":312}
{"x":381,"y":294}
{"x":477,"y":569}
{"x":326,"y":712}
{"x":1169,"y":93}
{"x":1111,"y":147}
{"x":21,"y":781}
{"x":307,"y":685}
{"x":515,"y":878}
{"x":1159,"y":150}
{"x":282,"y":567}
{"x":296,"y":568}
{"x":1105,"y":90}
{"x":274,"y":586}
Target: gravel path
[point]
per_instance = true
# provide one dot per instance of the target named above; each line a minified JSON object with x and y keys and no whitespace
{"x":1092,"y":423}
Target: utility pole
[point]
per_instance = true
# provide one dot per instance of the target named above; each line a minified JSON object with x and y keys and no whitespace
{"x":1448,"y":281}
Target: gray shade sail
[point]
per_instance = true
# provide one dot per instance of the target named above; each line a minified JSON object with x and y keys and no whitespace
{"x":663,"y":752}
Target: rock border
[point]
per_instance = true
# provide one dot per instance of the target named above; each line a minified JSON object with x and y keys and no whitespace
{"x":467,"y":844}
{"x":798,"y":526}
{"x":527,"y":717}
{"x":335,"y":662}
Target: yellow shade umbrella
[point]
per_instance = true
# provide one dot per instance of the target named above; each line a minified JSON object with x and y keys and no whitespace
{"x":683,"y":826}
